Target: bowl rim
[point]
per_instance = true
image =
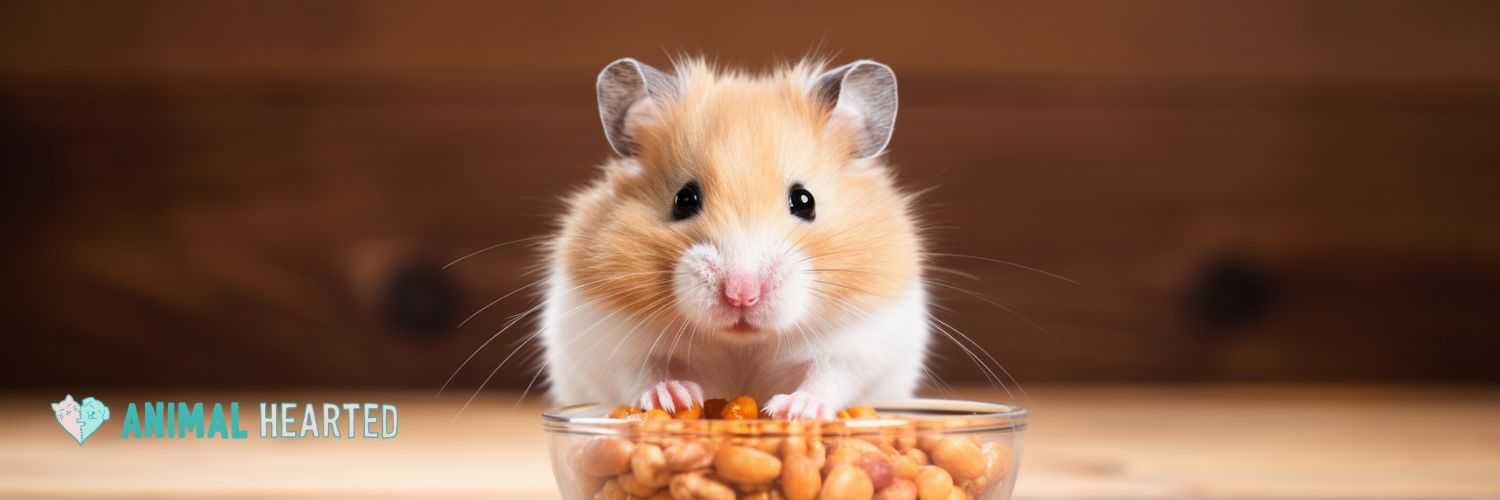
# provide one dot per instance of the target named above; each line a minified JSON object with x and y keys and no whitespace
{"x":958,"y":417}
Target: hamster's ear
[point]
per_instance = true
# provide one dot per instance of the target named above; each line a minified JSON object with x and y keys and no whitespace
{"x":628,"y":91}
{"x":863,"y":95}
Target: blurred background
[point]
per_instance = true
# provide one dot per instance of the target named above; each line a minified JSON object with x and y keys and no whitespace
{"x":232,"y":194}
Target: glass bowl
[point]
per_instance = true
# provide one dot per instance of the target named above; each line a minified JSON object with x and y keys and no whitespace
{"x":922,"y":448}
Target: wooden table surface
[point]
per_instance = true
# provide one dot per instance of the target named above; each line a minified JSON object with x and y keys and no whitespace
{"x":1084,"y":442}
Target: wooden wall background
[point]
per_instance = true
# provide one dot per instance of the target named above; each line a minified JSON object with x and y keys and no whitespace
{"x":262,"y":193}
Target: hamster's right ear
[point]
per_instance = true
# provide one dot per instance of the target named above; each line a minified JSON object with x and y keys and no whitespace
{"x":629,"y":90}
{"x":861,"y":94}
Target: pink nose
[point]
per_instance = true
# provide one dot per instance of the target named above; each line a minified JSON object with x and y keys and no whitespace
{"x":741,"y":290}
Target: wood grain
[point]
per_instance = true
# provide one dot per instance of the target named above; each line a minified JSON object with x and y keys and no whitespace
{"x":262,"y":194}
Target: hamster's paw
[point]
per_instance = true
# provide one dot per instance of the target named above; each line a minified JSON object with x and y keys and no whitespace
{"x":799,"y":405}
{"x":672,"y":395}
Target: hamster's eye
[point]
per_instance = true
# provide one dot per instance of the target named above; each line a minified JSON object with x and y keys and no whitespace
{"x":801,"y":202}
{"x":688,"y":202}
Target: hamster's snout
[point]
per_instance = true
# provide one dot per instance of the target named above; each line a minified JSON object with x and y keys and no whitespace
{"x":742,"y":288}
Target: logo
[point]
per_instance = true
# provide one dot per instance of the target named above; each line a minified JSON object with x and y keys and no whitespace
{"x":180,"y":420}
{"x":80,"y":420}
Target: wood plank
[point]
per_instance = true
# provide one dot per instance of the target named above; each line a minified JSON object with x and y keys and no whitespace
{"x":1147,"y":442}
{"x":222,"y":188}
{"x":1381,"y":39}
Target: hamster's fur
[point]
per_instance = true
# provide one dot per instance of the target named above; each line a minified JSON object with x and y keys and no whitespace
{"x":809,"y":310}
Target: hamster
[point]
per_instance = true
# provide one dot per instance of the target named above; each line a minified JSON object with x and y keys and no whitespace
{"x":747,"y":238}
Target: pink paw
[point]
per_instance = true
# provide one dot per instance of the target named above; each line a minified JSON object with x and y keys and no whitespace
{"x":799,"y":405}
{"x":672,"y":395}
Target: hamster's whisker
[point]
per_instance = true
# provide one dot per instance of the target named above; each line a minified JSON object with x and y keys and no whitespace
{"x":954,"y":272}
{"x":651,"y":298}
{"x":851,"y":308}
{"x":584,"y":333}
{"x":497,"y":368}
{"x":849,"y":247}
{"x":515,"y":319}
{"x":497,"y":301}
{"x":940,"y":326}
{"x":943,"y":308}
{"x":828,"y":237}
{"x":993,"y":301}
{"x":487,"y":379}
{"x":938,"y":382}
{"x":623,"y":288}
{"x":640,"y":322}
{"x":664,"y":301}
{"x":647,"y":358}
{"x":839,"y":270}
{"x":680,"y":330}
{"x":607,"y":315}
{"x":798,"y":243}
{"x":601,"y":339}
{"x":1009,"y":308}
{"x":984,"y":369}
{"x":620,"y":277}
{"x":539,"y":240}
{"x":846,"y":287}
{"x":1003,"y":262}
{"x":803,"y":332}
{"x":511,"y":322}
{"x":987,"y":354}
{"x":932,"y":228}
{"x":498,"y":245}
{"x":527,"y":390}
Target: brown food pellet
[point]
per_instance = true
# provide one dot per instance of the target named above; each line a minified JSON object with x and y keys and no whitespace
{"x":746,"y":466}
{"x":624,"y":411}
{"x":846,"y":482}
{"x":672,"y":458}
{"x":961,"y":457}
{"x":688,"y":456}
{"x":861,"y":412}
{"x":693,"y":413}
{"x":919,"y":456}
{"x":906,"y":468}
{"x":934,"y":483}
{"x":612,"y":491}
{"x":606,"y":456}
{"x":649,"y":464}
{"x":879,"y":469}
{"x":800,"y":478}
{"x":740,"y":408}
{"x":901,"y":489}
{"x":635,"y":487}
{"x":840,"y":456}
{"x":714,"y":408}
{"x":698,"y":487}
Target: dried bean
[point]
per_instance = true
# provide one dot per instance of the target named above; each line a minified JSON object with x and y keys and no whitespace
{"x":746,"y":466}
{"x":606,"y":456}
{"x":847,"y":482}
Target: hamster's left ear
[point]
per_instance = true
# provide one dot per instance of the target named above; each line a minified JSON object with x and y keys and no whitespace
{"x":861,"y":94}
{"x":629,"y":92}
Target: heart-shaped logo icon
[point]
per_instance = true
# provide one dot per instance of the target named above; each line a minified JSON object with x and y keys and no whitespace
{"x":80,"y":420}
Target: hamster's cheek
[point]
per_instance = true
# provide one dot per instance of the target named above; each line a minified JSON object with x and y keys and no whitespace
{"x":789,"y":292}
{"x":695,"y":284}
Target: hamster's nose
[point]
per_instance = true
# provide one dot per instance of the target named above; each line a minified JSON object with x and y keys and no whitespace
{"x":741,"y":289}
